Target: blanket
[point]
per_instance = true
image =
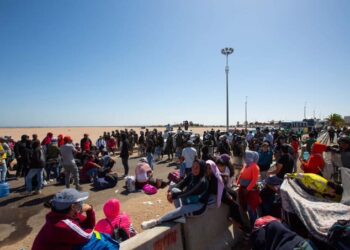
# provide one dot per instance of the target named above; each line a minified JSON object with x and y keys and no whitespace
{"x":317,"y":214}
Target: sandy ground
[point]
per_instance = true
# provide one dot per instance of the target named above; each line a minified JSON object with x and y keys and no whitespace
{"x":77,"y":132}
{"x":22,"y":217}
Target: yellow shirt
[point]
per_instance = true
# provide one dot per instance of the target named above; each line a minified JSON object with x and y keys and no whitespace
{"x":3,"y":154}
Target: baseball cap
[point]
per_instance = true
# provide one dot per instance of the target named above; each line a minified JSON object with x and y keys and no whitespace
{"x":64,"y":199}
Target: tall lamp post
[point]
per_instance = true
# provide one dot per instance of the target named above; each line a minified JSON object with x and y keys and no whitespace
{"x":227,"y":52}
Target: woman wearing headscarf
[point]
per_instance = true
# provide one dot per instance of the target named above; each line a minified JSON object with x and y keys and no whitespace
{"x":190,"y":197}
{"x":249,"y":198}
{"x":219,"y":193}
{"x":114,"y":219}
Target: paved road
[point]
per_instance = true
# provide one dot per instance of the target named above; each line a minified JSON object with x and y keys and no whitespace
{"x":20,"y":215}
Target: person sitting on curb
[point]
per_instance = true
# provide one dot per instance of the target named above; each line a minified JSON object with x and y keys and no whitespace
{"x":66,"y":227}
{"x":190,"y":197}
{"x":115,"y":219}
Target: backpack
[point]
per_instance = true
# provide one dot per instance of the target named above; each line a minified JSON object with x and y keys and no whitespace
{"x":118,"y":233}
{"x":174,"y":176}
{"x":130,"y":183}
{"x":99,"y":241}
{"x":149,"y":189}
{"x":339,"y":235}
{"x":109,"y":181}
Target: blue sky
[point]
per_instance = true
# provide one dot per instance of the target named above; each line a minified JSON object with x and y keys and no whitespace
{"x":86,"y":62}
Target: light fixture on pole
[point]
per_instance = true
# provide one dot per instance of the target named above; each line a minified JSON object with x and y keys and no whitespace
{"x":227,"y":52}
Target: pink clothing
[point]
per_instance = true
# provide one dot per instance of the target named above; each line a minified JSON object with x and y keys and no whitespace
{"x":215,"y":171}
{"x":111,"y":210}
{"x":141,"y":172}
{"x":122,"y":221}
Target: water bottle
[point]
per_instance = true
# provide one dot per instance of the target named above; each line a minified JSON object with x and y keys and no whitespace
{"x":4,"y":189}
{"x":306,"y":155}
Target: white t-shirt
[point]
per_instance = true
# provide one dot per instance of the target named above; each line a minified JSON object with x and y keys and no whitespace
{"x":67,"y":152}
{"x":189,"y":154}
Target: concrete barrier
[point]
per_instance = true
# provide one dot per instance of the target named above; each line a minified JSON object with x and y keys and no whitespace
{"x":163,"y":237}
{"x":212,"y":230}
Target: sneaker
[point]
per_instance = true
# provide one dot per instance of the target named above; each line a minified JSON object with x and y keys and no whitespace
{"x":45,"y":183}
{"x":148,"y":224}
{"x":181,"y":220}
{"x":37,"y":192}
{"x":25,"y":193}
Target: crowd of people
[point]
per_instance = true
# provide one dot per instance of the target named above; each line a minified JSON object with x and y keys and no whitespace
{"x":241,"y":169}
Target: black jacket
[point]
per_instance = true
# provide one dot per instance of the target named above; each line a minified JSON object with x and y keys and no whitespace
{"x":37,"y":158}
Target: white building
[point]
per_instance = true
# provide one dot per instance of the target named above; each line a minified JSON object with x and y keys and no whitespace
{"x":347,"y":119}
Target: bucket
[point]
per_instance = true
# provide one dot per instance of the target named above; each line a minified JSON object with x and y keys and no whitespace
{"x":4,"y":189}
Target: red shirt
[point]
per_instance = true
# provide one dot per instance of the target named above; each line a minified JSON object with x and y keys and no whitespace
{"x":63,"y":233}
{"x":314,"y":165}
{"x":295,"y":145}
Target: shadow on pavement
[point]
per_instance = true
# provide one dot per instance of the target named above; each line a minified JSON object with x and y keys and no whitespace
{"x":11,"y":200}
{"x":41,"y":200}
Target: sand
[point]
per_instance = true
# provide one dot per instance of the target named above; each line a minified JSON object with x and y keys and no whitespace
{"x":77,"y":132}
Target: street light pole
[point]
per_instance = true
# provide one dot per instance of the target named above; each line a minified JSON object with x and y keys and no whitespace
{"x":246,"y":113}
{"x":227,"y":52}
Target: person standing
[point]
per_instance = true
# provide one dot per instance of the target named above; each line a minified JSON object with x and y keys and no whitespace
{"x":70,"y":167}
{"x":86,"y":143}
{"x":52,"y":160}
{"x":124,"y":153}
{"x":3,"y":167}
{"x":265,"y":160}
{"x":150,"y":151}
{"x":189,"y":155}
{"x":36,"y":168}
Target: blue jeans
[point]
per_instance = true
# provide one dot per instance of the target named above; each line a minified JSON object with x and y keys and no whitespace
{"x":38,"y":172}
{"x":150,"y":160}
{"x":3,"y":169}
{"x":190,"y":210}
{"x":92,"y":172}
{"x":52,"y":167}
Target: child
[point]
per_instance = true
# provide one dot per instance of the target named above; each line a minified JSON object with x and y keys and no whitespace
{"x":115,"y":219}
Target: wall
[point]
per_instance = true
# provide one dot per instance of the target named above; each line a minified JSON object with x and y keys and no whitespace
{"x":209,"y":231}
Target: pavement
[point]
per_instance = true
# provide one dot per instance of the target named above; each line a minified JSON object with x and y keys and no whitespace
{"x":22,"y":216}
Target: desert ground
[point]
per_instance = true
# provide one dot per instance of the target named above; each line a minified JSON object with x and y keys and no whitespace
{"x":77,"y":132}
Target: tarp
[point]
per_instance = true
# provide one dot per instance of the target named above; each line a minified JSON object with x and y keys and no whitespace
{"x":317,"y":214}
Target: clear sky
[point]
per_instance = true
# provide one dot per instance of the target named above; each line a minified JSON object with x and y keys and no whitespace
{"x":128,"y":62}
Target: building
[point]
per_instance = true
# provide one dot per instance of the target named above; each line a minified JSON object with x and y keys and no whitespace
{"x":347,"y":119}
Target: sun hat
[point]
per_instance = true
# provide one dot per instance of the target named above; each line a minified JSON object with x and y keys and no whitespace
{"x":64,"y":199}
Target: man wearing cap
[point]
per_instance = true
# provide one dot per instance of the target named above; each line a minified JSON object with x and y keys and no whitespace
{"x":70,"y":167}
{"x":66,"y":227}
{"x":189,"y":154}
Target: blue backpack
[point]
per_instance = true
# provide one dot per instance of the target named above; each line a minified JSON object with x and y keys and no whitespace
{"x":99,"y":241}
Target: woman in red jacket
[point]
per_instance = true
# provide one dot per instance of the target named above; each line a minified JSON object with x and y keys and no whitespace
{"x":66,"y":227}
{"x":248,"y":195}
{"x":315,"y":163}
